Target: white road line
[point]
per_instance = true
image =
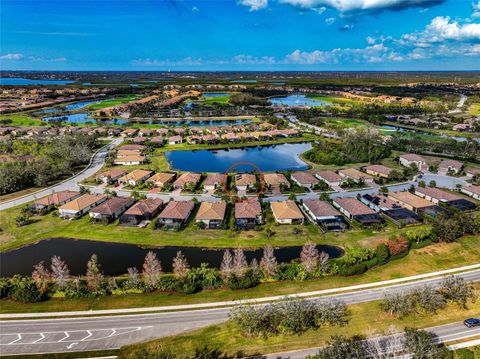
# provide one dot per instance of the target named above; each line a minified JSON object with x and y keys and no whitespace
{"x":88,"y":336}
{"x":113,"y":333}
{"x":42,"y":337}
{"x":66,"y":337}
{"x":16,"y":340}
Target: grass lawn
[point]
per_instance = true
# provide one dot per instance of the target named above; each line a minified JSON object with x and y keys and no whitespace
{"x":113,"y":102}
{"x":21,"y":119}
{"x":365,"y":319}
{"x":339,"y":100}
{"x":220,"y":100}
{"x":474,"y":109}
{"x":346,"y":122}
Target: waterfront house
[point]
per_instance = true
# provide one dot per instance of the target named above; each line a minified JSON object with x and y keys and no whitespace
{"x":141,"y":212}
{"x":248,"y":214}
{"x":55,"y":199}
{"x":213,"y":181}
{"x":175,"y":140}
{"x":304,"y":179}
{"x":276,"y":181}
{"x":211,"y":214}
{"x":324,"y":214}
{"x":286,"y":212}
{"x":185,"y":178}
{"x":331,"y":178}
{"x":355,"y":175}
{"x":176,"y":214}
{"x":245,"y":181}
{"x":111,"y":209}
{"x":80,"y":205}
{"x":355,"y":210}
{"x":161,"y":179}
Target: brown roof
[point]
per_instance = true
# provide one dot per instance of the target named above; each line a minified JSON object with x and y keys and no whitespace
{"x":410,"y":199}
{"x":245,"y":179}
{"x":177,"y":209}
{"x":412,"y":157}
{"x":437,"y":194}
{"x":451,"y":164}
{"x":113,"y":173}
{"x":353,"y":206}
{"x":379,"y":169}
{"x":162,"y":177}
{"x":213,"y":178}
{"x":304,"y":178}
{"x":111,"y":205}
{"x":320,"y":208}
{"x":145,"y":206}
{"x":56,"y":198}
{"x":473,"y":189}
{"x":132,"y":148}
{"x":186,"y":178}
{"x":354,"y":173}
{"x":135,"y":175}
{"x":274,"y":179}
{"x":329,"y":176}
{"x":286,"y":210}
{"x":175,"y":138}
{"x":135,"y":158}
{"x":212,"y":211}
{"x":248,"y":209}
{"x":82,"y":202}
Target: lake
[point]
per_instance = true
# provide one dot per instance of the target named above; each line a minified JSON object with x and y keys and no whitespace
{"x":115,"y":258}
{"x":83,"y":118}
{"x":70,"y":107}
{"x":282,"y":157}
{"x":297,"y":100}
{"x":21,"y":81}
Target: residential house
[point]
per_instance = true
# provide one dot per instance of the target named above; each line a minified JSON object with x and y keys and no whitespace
{"x":378,"y":171}
{"x":248,"y":214}
{"x":141,"y":212}
{"x":55,"y":199}
{"x":161,"y":179}
{"x":357,"y":211}
{"x":304,"y":179}
{"x":157,"y":140}
{"x":472,"y":191}
{"x":162,"y":131}
{"x":355,"y":175}
{"x":329,"y":177}
{"x":80,"y":205}
{"x":410,"y":201}
{"x":138,"y":148}
{"x":213,"y":181}
{"x":276,"y":181}
{"x":438,"y":196}
{"x":129,"y":160}
{"x":175,"y":140}
{"x":139,"y":140}
{"x":245,"y":181}
{"x":185,"y":178}
{"x":450,"y":166}
{"x":286,"y":212}
{"x":410,"y":159}
{"x":324,"y":214}
{"x":176,"y":214}
{"x":111,"y":209}
{"x":129,"y":132}
{"x":135,"y":177}
{"x":111,"y":176}
{"x":211,"y":214}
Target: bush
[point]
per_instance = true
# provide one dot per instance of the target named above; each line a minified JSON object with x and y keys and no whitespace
{"x":382,"y":253}
{"x":248,"y":280}
{"x":355,"y":269}
{"x":25,"y":291}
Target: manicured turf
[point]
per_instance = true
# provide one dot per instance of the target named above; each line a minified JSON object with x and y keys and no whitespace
{"x":474,"y":109}
{"x":346,"y":122}
{"x":365,"y":319}
{"x":21,"y":119}
{"x":221,"y":100}
{"x":113,"y":102}
{"x":339,"y":100}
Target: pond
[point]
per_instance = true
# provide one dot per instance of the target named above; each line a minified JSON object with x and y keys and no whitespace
{"x":21,"y":81}
{"x":115,"y":258}
{"x":297,"y":100}
{"x":202,"y":123}
{"x":83,"y":118}
{"x":282,"y":157}
{"x":70,"y":107}
{"x":215,"y":94}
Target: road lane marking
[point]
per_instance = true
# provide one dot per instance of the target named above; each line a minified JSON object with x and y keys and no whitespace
{"x":70,"y":346}
{"x":16,"y":340}
{"x":66,"y":337}
{"x":41,"y":338}
{"x":88,"y":336}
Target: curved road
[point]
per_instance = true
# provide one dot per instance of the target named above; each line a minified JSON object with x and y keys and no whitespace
{"x":111,"y":332}
{"x":96,"y":163}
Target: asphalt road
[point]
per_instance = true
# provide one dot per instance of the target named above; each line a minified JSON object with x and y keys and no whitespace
{"x":97,"y":333}
{"x":95,"y":165}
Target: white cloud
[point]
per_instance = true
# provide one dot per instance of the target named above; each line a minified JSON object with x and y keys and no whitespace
{"x":195,"y":9}
{"x":476,"y":9}
{"x":254,"y":4}
{"x":319,"y":10}
{"x":329,"y":21}
{"x":187,"y":61}
{"x":15,"y":56}
{"x":253,"y":60}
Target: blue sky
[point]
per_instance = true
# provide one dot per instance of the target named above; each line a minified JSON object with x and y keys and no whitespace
{"x":240,"y":35}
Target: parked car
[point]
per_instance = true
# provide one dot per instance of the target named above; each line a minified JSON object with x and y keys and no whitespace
{"x":472,"y":322}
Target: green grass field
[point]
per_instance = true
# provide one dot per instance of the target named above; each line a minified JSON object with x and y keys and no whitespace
{"x":474,"y":109}
{"x":21,"y":119}
{"x":337,"y":100}
{"x":220,"y":100}
{"x":113,"y":102}
{"x":346,"y":122}
{"x":365,"y":319}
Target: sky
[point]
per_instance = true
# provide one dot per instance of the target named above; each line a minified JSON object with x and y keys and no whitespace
{"x":176,"y":35}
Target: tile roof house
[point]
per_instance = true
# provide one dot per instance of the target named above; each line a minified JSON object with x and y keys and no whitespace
{"x":286,"y":212}
{"x":161,"y":179}
{"x":248,"y":214}
{"x":329,"y":177}
{"x":129,"y":160}
{"x":472,"y":191}
{"x":410,"y":201}
{"x":80,"y":205}
{"x":175,"y":140}
{"x":211,"y":214}
{"x":161,"y":131}
{"x":141,"y":212}
{"x":112,"y":175}
{"x":55,"y":199}
{"x":176,"y":214}
{"x":135,"y":177}
{"x":111,"y":209}
{"x":324,"y":214}
{"x":304,"y":179}
{"x":188,"y":177}
{"x":276,"y":180}
{"x":353,"y":209}
{"x":213,"y":181}
{"x":378,"y":170}
{"x":411,"y":158}
{"x":355,"y":175}
{"x":157,"y":140}
{"x":435,"y":195}
{"x":447,"y":166}
{"x":244,"y":181}
{"x":138,"y":148}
